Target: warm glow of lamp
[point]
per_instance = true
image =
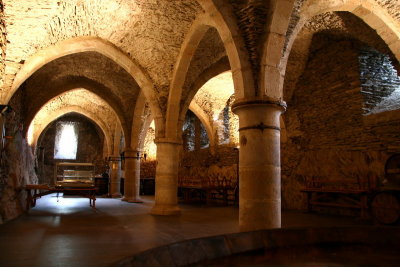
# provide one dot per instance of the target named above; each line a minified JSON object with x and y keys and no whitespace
{"x":114,"y":165}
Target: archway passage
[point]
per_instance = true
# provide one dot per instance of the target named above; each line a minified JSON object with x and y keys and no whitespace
{"x":333,"y":143}
{"x":87,"y":70}
{"x":81,"y":101}
{"x":89,"y":140}
{"x":154,"y":55}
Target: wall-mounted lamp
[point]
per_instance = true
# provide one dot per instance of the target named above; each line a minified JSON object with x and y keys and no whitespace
{"x":113,"y":159}
{"x":5,"y":109}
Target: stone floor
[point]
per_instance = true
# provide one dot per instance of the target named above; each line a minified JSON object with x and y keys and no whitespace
{"x":70,"y":233}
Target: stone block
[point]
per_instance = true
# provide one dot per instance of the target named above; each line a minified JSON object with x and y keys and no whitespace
{"x":245,"y":241}
{"x":281,"y":17}
{"x":157,"y":257}
{"x":214,"y":247}
{"x":187,"y":252}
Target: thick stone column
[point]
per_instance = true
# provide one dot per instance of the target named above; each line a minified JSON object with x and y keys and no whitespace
{"x":166,"y":196}
{"x":115,"y":179}
{"x":259,"y":164}
{"x":132,"y":176}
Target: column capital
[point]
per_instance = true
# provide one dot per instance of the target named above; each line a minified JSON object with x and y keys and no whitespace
{"x":246,"y":102}
{"x":131,"y":151}
{"x":173,"y":141}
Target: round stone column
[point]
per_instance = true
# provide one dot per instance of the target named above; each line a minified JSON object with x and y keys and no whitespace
{"x":259,"y":164}
{"x":166,"y":195}
{"x":115,"y":179}
{"x":132,"y":176}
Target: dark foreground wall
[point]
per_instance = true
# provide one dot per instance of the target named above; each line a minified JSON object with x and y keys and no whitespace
{"x":203,"y":251}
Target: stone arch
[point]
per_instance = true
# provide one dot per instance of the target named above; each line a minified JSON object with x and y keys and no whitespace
{"x":216,"y":69}
{"x":271,"y":74}
{"x":192,"y":40}
{"x":198,"y":111}
{"x":71,"y":83}
{"x":146,"y":126}
{"x":221,"y":18}
{"x":65,"y":110}
{"x":371,"y":13}
{"x":138,"y":125}
{"x":84,"y":44}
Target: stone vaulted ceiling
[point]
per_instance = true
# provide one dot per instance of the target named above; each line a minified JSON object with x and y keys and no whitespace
{"x":336,"y":25}
{"x":149,"y":31}
{"x":88,"y":70}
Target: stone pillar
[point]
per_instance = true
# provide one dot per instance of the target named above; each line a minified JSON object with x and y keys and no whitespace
{"x":259,"y":164}
{"x":132,"y":176}
{"x":166,"y":195}
{"x":115,"y":179}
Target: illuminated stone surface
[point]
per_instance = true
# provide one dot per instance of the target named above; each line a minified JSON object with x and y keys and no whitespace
{"x":131,"y":62}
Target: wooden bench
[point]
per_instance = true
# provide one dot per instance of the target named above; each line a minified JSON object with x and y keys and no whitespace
{"x":344,"y":193}
{"x":209,"y":195}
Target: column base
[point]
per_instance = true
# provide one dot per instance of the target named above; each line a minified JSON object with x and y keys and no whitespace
{"x":132,"y":200}
{"x":116,"y":195}
{"x":165,"y":210}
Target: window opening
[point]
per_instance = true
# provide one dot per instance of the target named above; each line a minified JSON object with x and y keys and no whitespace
{"x":380,"y":83}
{"x":66,"y":142}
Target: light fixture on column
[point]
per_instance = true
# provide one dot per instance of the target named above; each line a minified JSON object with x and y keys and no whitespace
{"x":4,"y":109}
{"x":138,"y":156}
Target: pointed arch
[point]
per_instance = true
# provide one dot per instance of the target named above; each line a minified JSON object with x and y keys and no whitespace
{"x":204,"y":119}
{"x":138,"y":124}
{"x":271,"y":75}
{"x":222,"y":19}
{"x":65,"y":110}
{"x":84,"y":44}
{"x":189,"y":46}
{"x":367,"y":10}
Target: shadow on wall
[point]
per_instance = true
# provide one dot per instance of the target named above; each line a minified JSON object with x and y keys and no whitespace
{"x":17,"y":164}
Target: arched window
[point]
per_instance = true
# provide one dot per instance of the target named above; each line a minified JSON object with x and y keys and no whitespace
{"x":380,"y":83}
{"x":66,"y":143}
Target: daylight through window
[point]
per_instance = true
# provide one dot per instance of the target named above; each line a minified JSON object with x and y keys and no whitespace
{"x":66,"y":142}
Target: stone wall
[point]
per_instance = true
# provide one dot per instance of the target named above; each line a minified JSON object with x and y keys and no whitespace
{"x":328,"y":135}
{"x":202,"y":168}
{"x":17,"y":163}
{"x":194,"y":134}
{"x":148,"y":169}
{"x":90,"y":146}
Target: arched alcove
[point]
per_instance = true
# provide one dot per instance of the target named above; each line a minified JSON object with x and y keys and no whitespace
{"x":90,"y":142}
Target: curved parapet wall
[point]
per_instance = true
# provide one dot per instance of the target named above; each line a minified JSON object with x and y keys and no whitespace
{"x":230,"y":245}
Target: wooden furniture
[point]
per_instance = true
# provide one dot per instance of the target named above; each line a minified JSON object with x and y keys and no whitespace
{"x":209,"y":195}
{"x":35,"y":191}
{"x":337,"y":193}
{"x":385,"y":202}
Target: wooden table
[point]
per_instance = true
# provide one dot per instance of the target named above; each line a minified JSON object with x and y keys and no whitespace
{"x":35,"y":191}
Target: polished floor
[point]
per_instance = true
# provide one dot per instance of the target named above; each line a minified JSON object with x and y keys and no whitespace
{"x":67,"y":232}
